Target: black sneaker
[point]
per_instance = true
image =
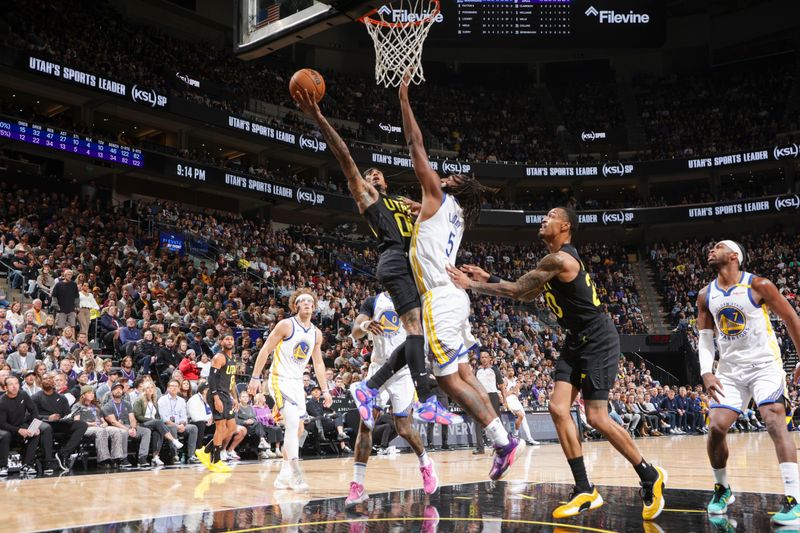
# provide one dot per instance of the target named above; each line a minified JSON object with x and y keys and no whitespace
{"x":125,"y":463}
{"x":142,"y":462}
{"x":28,"y":471}
{"x":446,"y":447}
{"x":48,"y":468}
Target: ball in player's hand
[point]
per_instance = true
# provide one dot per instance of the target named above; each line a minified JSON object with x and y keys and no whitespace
{"x":310,"y":80}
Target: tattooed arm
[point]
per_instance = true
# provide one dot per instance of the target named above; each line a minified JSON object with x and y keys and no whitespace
{"x":526,"y":288}
{"x":362,"y":191}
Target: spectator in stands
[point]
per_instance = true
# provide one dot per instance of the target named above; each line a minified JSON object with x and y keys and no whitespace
{"x":109,"y":325}
{"x":325,"y":421}
{"x":128,"y":336}
{"x":54,"y":409}
{"x":199,"y":412}
{"x":87,"y":306}
{"x":88,"y":411}
{"x":29,"y":384}
{"x":126,"y":366}
{"x":104,"y":389}
{"x":669,"y":405}
{"x":145,"y":352}
{"x":274,"y":432}
{"x":173,"y":410}
{"x":246,"y":416}
{"x":21,"y":266}
{"x":185,"y":391}
{"x":145,"y":409}
{"x":44,"y":284}
{"x":118,"y":412}
{"x":12,"y":319}
{"x":167,"y":359}
{"x":17,"y":410}
{"x":189,"y":369}
{"x":65,"y":300}
{"x":39,"y":315}
{"x":64,"y":388}
{"x":21,"y":360}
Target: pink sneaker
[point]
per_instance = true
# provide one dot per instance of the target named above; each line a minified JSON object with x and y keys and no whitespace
{"x":430,"y":483}
{"x":357,"y":495}
{"x":431,"y":515}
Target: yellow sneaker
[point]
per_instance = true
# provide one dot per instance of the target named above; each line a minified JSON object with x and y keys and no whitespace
{"x":653,"y":495}
{"x":220,"y":467}
{"x":578,"y":503}
{"x":204,"y":457}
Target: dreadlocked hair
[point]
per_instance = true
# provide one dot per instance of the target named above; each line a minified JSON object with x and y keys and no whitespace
{"x":469,"y":192}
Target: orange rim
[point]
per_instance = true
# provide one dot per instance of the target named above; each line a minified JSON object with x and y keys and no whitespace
{"x":366,"y":19}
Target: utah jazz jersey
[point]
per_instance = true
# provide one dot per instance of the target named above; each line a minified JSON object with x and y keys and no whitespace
{"x":435,"y":244}
{"x":380,"y":309}
{"x":228,"y":375}
{"x":744,"y":331}
{"x":390,"y":220}
{"x":292,"y":353}
{"x":575,"y":304}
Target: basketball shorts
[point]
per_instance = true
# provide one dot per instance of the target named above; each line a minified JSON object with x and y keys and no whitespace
{"x":398,"y":390}
{"x":394,"y":274}
{"x":448,"y":334}
{"x":590,"y":358}
{"x":288,"y":391}
{"x":764,"y":383}
{"x":514,"y":405}
{"x":227,"y":412}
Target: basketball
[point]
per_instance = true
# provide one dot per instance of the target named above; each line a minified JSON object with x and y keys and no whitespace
{"x":310,"y":80}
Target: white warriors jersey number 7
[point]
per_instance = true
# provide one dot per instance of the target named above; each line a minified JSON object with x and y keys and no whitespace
{"x":293,"y":352}
{"x":434,"y":245}
{"x":744,"y":331}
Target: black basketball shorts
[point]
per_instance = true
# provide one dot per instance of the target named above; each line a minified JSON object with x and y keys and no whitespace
{"x":227,"y":407}
{"x":394,"y":273}
{"x":590,"y":359}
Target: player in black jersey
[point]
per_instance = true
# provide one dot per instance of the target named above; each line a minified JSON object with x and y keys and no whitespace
{"x":222,"y":390}
{"x":390,"y":219}
{"x":588,"y":362}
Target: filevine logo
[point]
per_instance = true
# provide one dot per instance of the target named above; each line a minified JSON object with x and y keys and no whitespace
{"x":612,"y":17}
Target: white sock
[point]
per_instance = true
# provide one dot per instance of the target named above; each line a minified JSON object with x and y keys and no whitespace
{"x":497,"y":432}
{"x":295,"y":466}
{"x":359,"y":472}
{"x":424,"y":460}
{"x":721,"y":476}
{"x":791,"y":480}
{"x":526,"y":430}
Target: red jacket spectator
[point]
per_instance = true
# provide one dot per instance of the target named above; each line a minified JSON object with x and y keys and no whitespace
{"x":188,"y":366}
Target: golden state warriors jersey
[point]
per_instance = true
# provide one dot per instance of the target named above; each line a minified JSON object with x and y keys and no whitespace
{"x":394,"y":334}
{"x":292,"y":353}
{"x":434,"y":245}
{"x":744,"y":331}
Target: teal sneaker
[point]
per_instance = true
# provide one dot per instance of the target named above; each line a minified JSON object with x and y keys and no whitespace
{"x":719,"y":502}
{"x":789,"y":514}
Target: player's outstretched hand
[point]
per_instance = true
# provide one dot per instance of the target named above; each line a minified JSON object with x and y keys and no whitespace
{"x":415,"y":207}
{"x":254,"y":387}
{"x":306,"y":103}
{"x":327,"y":400}
{"x":713,"y":387}
{"x":475,"y":273}
{"x":459,"y":278}
{"x":402,"y":92}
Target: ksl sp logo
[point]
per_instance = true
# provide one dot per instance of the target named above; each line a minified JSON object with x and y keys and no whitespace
{"x":592,"y":135}
{"x":310,"y":196}
{"x":312,"y":143}
{"x":785,"y":152}
{"x":151,"y":98}
{"x":787,"y":202}
{"x":617,"y":169}
{"x":388,"y":128}
{"x":456,"y":167}
{"x":613,"y":217}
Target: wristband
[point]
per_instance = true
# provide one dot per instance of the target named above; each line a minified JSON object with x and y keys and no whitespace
{"x":256,"y":379}
{"x":364,"y":325}
{"x":493,"y":279}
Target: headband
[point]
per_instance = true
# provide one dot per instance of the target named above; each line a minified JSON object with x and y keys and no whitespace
{"x":303,"y":297}
{"x":735,"y":247}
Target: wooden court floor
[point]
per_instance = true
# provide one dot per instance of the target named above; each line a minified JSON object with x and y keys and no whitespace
{"x":191,"y":499}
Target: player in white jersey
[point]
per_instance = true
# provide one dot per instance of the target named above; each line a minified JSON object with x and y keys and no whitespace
{"x":515,"y":406}
{"x":448,"y":206}
{"x":379,"y":320}
{"x":737,"y":303}
{"x":293,"y":342}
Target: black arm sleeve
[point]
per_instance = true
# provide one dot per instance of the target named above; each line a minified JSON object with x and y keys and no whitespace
{"x":368,"y":307}
{"x":214,"y":380}
{"x":498,"y":378}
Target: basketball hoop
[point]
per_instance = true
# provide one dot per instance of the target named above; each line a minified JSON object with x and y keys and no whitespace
{"x":398,"y":33}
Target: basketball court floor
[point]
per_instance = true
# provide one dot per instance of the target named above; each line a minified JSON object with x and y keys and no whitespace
{"x":190,"y":499}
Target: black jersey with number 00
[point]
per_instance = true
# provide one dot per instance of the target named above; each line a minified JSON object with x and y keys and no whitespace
{"x":229,"y":374}
{"x":575,"y":304}
{"x":390,"y":220}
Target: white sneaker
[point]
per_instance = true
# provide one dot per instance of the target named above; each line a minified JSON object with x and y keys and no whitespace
{"x":233,"y":456}
{"x":224,"y":455}
{"x":262,"y":444}
{"x":298,"y":483}
{"x":283,"y":481}
{"x":271,"y":454}
{"x":176,"y":444}
{"x":157,"y":461}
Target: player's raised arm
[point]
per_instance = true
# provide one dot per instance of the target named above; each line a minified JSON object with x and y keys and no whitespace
{"x":526,"y":288}
{"x":428,"y":178}
{"x":362,"y":191}
{"x":281,"y":331}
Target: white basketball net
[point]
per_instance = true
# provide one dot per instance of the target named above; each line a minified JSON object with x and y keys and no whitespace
{"x":398,"y":43}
